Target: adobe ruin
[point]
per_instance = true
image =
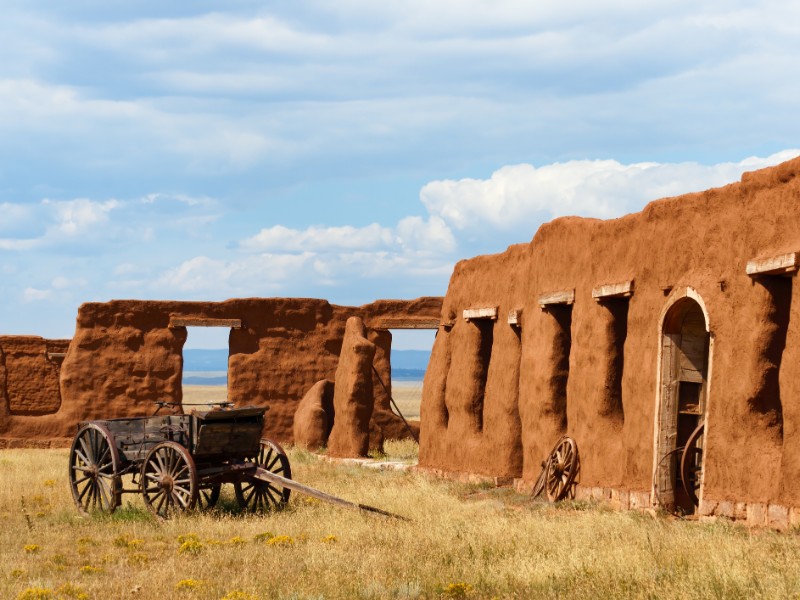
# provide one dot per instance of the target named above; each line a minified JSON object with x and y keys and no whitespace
{"x":127,"y":354}
{"x":625,"y":334}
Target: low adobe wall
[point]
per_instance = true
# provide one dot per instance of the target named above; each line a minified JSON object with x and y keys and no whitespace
{"x":497,"y":395}
{"x":125,"y":355}
{"x":29,"y":377}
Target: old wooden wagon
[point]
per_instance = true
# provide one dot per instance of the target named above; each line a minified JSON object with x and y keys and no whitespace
{"x":178,"y":462}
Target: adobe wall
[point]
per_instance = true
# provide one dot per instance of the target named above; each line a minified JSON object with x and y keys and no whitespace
{"x":124,"y":356}
{"x":29,"y":377}
{"x":497,"y":410}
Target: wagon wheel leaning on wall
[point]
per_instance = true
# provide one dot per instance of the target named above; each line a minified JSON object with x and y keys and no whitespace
{"x":691,"y":464}
{"x":254,"y":495}
{"x":559,"y":471}
{"x":94,"y":466}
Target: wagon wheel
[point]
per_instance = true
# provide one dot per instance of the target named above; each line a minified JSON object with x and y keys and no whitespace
{"x":253,"y":494}
{"x":691,"y":464}
{"x":562,"y":467}
{"x":207,"y":497}
{"x":169,"y":479}
{"x":94,"y":466}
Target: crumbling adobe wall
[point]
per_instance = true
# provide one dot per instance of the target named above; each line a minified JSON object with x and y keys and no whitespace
{"x":697,"y":244}
{"x":29,"y":377}
{"x":124,"y":356}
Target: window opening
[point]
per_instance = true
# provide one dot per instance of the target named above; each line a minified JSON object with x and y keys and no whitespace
{"x":205,"y":367}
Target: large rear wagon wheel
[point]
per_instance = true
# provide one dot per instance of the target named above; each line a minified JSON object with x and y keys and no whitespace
{"x":562,"y":467}
{"x":94,"y":466}
{"x":255,"y":495}
{"x":169,"y":480}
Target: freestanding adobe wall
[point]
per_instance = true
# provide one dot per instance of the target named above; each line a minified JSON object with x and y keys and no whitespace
{"x":627,"y":334}
{"x":29,"y":378}
{"x":127,"y":354}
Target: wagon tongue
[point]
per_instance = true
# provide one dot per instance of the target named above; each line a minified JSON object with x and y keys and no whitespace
{"x":268,"y":477}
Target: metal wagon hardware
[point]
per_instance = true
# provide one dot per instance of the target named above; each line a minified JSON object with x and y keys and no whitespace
{"x":179,"y":462}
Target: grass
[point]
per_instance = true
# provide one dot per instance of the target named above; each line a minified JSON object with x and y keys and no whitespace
{"x":464,"y":541}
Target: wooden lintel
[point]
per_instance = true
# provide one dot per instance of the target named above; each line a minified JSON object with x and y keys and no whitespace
{"x":515,"y":317}
{"x":623,"y":289}
{"x":405,"y":323}
{"x":480,"y":313}
{"x":204,"y":322}
{"x":566,"y":297}
{"x":56,"y":355}
{"x":785,"y":264}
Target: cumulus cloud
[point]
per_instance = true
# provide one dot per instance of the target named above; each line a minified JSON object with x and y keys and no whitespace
{"x":524,"y":195}
{"x":31,"y":294}
{"x":316,"y":238}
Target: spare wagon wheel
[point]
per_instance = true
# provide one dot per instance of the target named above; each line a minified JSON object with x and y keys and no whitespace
{"x":253,"y":494}
{"x":169,"y":479}
{"x":692,"y":464}
{"x":561,"y":468}
{"x":94,"y":469}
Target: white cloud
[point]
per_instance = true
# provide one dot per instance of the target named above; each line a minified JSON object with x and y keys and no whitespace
{"x":35,"y":295}
{"x":520,"y":196}
{"x":284,"y":239}
{"x":77,"y":217}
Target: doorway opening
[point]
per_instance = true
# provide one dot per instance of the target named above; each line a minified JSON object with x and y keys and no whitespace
{"x":410,"y":355}
{"x":205,"y":367}
{"x":685,"y":352}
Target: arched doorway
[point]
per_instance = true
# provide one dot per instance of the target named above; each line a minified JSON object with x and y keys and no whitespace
{"x":685,"y":351}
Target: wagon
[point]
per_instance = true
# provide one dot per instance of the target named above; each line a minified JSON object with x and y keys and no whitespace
{"x":180,"y":461}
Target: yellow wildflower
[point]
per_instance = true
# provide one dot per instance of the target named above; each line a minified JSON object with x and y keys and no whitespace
{"x":281,"y":540}
{"x":188,"y":537}
{"x":190,"y":546}
{"x":49,"y":482}
{"x":236,"y":541}
{"x":90,"y":570}
{"x":69,"y":590}
{"x":189,"y":584}
{"x":32,"y":548}
{"x":36,"y":594}
{"x":328,"y":539}
{"x":263,"y":537}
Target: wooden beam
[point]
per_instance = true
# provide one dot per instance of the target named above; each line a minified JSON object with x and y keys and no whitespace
{"x":480,"y":313}
{"x":785,"y":264}
{"x":623,"y":289}
{"x":405,"y":323}
{"x":204,"y":322}
{"x":56,"y":355}
{"x":515,"y":317}
{"x":565,"y":297}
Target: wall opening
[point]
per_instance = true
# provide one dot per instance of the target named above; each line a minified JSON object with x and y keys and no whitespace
{"x":684,"y":383}
{"x":767,"y":398}
{"x":617,"y":333}
{"x":482,"y":359}
{"x":410,"y":355}
{"x":559,"y":361}
{"x":205,"y":367}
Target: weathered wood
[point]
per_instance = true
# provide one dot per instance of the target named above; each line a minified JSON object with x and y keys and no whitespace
{"x":405,"y":323}
{"x":561,"y":297}
{"x":775,"y":265}
{"x":204,"y":322}
{"x":480,"y":313}
{"x":267,"y":476}
{"x":623,"y":289}
{"x":515,"y":317}
{"x":56,"y":355}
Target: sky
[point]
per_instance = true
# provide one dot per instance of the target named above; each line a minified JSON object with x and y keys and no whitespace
{"x":355,"y":150}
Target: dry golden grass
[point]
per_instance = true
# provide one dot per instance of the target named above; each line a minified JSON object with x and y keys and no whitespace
{"x":463,"y":541}
{"x":408,"y":396}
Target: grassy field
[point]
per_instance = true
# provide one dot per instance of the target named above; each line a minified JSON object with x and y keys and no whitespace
{"x":462,"y":541}
{"x":407,"y":395}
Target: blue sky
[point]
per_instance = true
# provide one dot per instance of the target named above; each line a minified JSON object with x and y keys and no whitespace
{"x":354,"y":150}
